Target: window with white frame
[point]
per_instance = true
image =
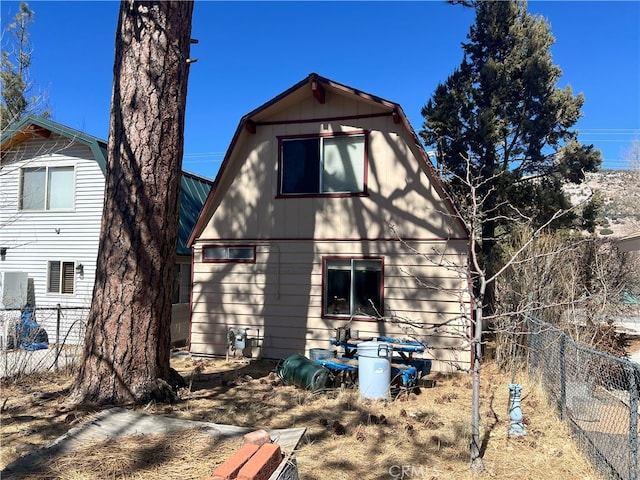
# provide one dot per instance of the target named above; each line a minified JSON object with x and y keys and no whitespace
{"x":323,"y":165}
{"x":224,"y":253}
{"x":61,"y":277}
{"x":353,"y":287}
{"x":47,"y":188}
{"x":182,"y":283}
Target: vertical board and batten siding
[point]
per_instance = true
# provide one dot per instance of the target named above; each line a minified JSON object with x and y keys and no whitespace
{"x":281,"y":293}
{"x":34,"y":238}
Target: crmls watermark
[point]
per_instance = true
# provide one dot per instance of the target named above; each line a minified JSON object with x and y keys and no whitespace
{"x":399,"y":472}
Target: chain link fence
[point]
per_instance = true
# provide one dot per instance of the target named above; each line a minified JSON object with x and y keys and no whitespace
{"x":595,"y":393}
{"x":59,"y":335}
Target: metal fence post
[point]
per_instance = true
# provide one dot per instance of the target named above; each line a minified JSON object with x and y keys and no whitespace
{"x":633,"y":423}
{"x":593,"y":386}
{"x":533,"y":345}
{"x":563,"y":379}
{"x":59,"y":315}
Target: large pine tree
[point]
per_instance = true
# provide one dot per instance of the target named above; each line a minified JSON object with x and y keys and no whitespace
{"x":127,"y":344}
{"x":17,"y":97}
{"x":502,"y":132}
{"x":501,"y":120}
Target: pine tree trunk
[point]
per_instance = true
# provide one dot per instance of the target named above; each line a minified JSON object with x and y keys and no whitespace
{"x":127,"y":343}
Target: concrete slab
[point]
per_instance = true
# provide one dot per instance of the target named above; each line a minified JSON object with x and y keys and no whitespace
{"x":120,"y":422}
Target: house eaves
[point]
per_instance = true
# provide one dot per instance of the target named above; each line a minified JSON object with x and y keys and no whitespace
{"x":194,"y":189}
{"x":32,"y":127}
{"x":317,"y":86}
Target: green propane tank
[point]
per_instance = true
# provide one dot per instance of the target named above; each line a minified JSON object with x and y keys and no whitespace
{"x":302,"y":372}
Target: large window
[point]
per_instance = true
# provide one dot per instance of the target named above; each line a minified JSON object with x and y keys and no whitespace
{"x":353,"y":287}
{"x":323,"y":165}
{"x":60,"y":277}
{"x":47,"y":188}
{"x":222,"y":253}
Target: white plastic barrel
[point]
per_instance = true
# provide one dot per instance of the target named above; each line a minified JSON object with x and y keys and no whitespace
{"x":374,"y":369}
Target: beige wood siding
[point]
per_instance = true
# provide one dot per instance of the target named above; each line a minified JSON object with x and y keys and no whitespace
{"x":425,"y":275}
{"x":400,"y":192}
{"x":281,"y":295}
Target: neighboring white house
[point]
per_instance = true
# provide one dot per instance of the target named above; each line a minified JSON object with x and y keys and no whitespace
{"x":52,"y":181}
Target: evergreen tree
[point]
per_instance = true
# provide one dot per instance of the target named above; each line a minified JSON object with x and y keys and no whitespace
{"x":502,"y":133}
{"x":501,"y":121}
{"x":14,"y":71}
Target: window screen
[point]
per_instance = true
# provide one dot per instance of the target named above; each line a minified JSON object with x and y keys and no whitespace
{"x":47,"y":188}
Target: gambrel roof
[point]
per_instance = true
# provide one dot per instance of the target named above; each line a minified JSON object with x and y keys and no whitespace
{"x":319,"y":87}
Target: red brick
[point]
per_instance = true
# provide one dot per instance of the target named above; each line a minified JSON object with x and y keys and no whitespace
{"x":262,"y":464}
{"x":259,"y":437}
{"x":232,"y":465}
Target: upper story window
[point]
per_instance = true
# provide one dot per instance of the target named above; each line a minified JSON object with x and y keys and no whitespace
{"x":323,"y":165}
{"x":222,"y":253}
{"x":47,"y":188}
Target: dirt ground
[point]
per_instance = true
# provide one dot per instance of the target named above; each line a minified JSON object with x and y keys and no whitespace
{"x":424,"y":434}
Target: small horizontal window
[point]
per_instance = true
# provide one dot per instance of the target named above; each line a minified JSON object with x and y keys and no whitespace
{"x":228,"y":254}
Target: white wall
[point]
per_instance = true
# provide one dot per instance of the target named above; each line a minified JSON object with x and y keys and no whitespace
{"x":34,"y":238}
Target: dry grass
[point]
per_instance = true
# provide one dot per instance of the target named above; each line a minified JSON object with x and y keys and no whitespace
{"x":137,"y":457}
{"x":347,"y":437}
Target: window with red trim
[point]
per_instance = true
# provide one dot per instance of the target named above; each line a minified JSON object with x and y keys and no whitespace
{"x":352,"y":287}
{"x":223,"y":253}
{"x":323,"y":165}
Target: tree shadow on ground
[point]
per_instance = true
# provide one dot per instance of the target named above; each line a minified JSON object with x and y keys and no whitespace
{"x":250,"y":395}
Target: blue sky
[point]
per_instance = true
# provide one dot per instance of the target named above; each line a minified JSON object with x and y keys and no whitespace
{"x":249,"y":52}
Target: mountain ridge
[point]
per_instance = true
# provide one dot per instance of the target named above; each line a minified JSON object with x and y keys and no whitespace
{"x":620,"y":191}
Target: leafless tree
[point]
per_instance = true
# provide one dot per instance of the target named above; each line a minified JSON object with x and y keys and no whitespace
{"x":474,"y":213}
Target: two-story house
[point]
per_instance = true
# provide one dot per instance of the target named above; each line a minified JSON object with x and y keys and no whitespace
{"x":52,"y":182}
{"x":326,"y":213}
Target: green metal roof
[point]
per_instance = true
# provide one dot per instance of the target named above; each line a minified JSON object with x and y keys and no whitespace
{"x":194,"y":189}
{"x":98,"y":147}
{"x":193,"y":194}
